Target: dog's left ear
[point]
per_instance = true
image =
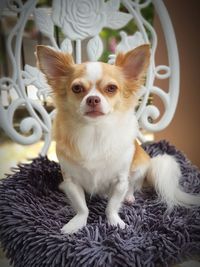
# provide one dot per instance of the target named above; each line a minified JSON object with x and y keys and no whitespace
{"x":52,"y":63}
{"x":134,"y":63}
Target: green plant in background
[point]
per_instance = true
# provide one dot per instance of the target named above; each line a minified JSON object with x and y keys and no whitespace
{"x":41,"y":3}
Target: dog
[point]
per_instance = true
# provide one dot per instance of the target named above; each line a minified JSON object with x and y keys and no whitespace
{"x":96,"y":131}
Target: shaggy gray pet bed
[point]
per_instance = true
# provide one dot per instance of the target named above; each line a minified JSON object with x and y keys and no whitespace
{"x":33,"y":210}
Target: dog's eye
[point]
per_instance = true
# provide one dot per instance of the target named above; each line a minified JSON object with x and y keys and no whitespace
{"x":111,"y":88}
{"x":77,"y":88}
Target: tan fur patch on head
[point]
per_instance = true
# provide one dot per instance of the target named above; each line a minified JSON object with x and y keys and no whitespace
{"x":123,"y":97}
{"x":64,"y":98}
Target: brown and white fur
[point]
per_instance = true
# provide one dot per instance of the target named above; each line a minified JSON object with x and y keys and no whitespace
{"x":96,"y":129}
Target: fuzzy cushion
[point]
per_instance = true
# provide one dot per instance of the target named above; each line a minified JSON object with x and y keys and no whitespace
{"x":33,"y":210}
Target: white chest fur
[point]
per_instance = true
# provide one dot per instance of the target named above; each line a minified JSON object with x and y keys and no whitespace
{"x":106,"y":152}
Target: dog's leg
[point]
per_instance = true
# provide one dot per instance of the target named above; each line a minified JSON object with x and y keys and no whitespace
{"x":76,"y":195}
{"x":138,"y":171}
{"x":129,"y":198}
{"x":117,"y":194}
{"x":136,"y":181}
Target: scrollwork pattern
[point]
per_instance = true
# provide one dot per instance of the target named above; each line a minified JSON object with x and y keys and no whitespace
{"x":38,"y":123}
{"x":80,"y":19}
{"x":147,"y":114}
{"x":32,"y":123}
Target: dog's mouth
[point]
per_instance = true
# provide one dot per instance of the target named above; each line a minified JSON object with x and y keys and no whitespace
{"x":94,"y":113}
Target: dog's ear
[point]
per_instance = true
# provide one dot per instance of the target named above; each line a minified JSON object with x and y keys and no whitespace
{"x":52,"y":63}
{"x":134,"y":63}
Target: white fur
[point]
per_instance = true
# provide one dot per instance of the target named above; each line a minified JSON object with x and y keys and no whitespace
{"x":107,"y":155}
{"x":93,"y":71}
{"x":164,"y":173}
{"x":136,"y":180}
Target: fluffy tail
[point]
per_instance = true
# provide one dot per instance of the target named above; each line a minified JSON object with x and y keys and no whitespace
{"x":164,"y":173}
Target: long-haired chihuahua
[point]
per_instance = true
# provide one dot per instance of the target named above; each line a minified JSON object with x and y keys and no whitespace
{"x":96,"y":129}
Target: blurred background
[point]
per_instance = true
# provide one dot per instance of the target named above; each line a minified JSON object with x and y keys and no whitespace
{"x":184,"y":130}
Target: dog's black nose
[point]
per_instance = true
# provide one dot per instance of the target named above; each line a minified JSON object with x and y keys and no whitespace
{"x":93,"y":101}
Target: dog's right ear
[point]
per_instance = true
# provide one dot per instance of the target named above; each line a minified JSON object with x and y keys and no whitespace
{"x":52,"y":63}
{"x":134,"y":63}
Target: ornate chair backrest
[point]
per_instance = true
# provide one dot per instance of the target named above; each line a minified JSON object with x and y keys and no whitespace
{"x":80,"y":22}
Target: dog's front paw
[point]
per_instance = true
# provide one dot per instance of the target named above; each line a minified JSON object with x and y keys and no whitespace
{"x":75,"y":224}
{"x":129,"y":199}
{"x":115,"y":220}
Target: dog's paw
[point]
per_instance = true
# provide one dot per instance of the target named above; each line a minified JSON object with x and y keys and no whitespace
{"x":115,"y":220}
{"x":129,"y":199}
{"x":75,"y":224}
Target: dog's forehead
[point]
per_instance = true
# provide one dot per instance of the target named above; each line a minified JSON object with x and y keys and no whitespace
{"x":94,"y":71}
